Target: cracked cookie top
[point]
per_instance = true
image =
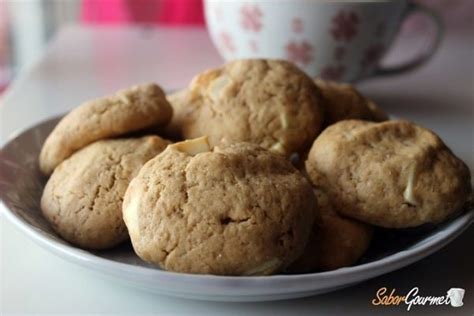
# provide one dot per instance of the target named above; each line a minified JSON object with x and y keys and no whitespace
{"x":128,"y":110}
{"x":231,"y":210}
{"x":394,"y":174}
{"x":83,"y":198}
{"x":267,"y":102}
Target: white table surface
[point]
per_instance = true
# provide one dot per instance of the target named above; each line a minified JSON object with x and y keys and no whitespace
{"x":84,"y":63}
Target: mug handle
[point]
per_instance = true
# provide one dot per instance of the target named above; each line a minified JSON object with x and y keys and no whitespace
{"x":423,"y":57}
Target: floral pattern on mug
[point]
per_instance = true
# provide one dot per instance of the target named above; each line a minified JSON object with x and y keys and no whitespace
{"x":342,"y":40}
{"x":297,"y":25}
{"x":300,"y":53}
{"x":226,"y":41}
{"x":345,"y":26}
{"x":251,"y":18}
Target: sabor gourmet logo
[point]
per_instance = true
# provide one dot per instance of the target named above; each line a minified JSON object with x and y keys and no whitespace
{"x":453,"y":297}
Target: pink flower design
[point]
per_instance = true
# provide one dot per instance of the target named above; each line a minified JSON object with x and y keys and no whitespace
{"x":372,"y":55}
{"x":297,"y":25}
{"x":253,"y":46}
{"x":333,"y":72}
{"x":251,"y":18}
{"x":227,"y":42}
{"x":339,"y":52}
{"x":301,"y":53}
{"x":345,"y":26}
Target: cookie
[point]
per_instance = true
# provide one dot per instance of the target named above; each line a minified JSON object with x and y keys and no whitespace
{"x":129,"y":110}
{"x":83,"y":197}
{"x":235,"y":210}
{"x":267,"y":102}
{"x":343,"y":102}
{"x":183,"y":113}
{"x":394,"y":174}
{"x":337,"y":241}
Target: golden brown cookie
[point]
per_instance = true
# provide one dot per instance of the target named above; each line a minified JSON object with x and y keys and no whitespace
{"x":129,"y":110}
{"x":393,"y":174}
{"x":342,"y":101}
{"x":183,"y":113}
{"x":236,"y":210}
{"x":83,"y":198}
{"x":267,"y":102}
{"x":337,"y":241}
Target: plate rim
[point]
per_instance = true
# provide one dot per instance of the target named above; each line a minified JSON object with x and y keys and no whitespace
{"x":392,"y":262}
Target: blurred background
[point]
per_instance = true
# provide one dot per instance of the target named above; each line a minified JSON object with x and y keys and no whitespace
{"x":27,"y":25}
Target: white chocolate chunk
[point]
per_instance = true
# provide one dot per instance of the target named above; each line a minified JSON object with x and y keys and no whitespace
{"x":217,"y":86}
{"x":284,"y":120}
{"x":408,"y":194}
{"x":193,"y":146}
{"x":130,"y":216}
{"x":175,"y":97}
{"x":124,"y":98}
{"x":264,"y":268}
{"x":278,"y":147}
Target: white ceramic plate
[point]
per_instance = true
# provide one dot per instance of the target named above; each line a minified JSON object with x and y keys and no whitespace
{"x":21,"y":185}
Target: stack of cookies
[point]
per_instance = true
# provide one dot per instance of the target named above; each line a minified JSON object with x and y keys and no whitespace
{"x":269,"y":171}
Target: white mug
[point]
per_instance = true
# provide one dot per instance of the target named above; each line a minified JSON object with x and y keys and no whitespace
{"x":334,"y":39}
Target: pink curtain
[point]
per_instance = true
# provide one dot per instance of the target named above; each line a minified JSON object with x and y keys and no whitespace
{"x":4,"y":48}
{"x":169,"y":12}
